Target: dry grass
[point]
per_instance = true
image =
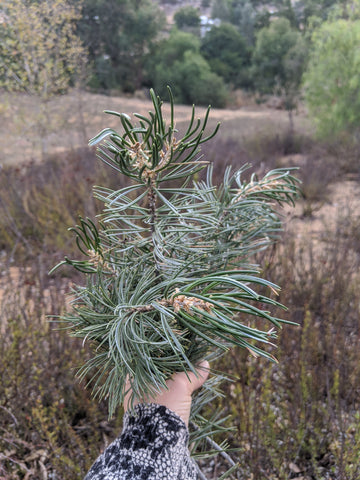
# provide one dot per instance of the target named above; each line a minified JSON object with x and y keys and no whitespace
{"x":78,"y":116}
{"x":295,"y":420}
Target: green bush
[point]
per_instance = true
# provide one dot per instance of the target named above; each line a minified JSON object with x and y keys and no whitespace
{"x":187,"y":17}
{"x":192,"y":81}
{"x":180,"y":65}
{"x":228,"y":54}
{"x":332,"y":82}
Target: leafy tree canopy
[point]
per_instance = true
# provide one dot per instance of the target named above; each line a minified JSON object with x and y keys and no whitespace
{"x":200,"y":84}
{"x":192,"y":81}
{"x":39,"y":50}
{"x":119,"y":34}
{"x":244,"y":17}
{"x":256,"y":14}
{"x":278,"y":62}
{"x":174,"y":47}
{"x":179,"y":64}
{"x":275,"y":46}
{"x":221,"y":10}
{"x":332,"y":82}
{"x":227,"y":53}
{"x":187,"y":17}
{"x":321,"y":9}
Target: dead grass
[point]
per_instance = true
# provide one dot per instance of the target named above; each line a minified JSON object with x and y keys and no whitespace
{"x":298,"y":419}
{"x":78,"y":116}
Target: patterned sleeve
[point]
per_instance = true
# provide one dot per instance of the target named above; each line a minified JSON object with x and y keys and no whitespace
{"x":153,"y":446}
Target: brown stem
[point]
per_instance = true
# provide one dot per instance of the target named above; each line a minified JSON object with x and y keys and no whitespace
{"x":153,"y":216}
{"x":152,"y":205}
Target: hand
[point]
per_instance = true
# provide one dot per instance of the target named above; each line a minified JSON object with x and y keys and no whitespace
{"x":177,"y":397}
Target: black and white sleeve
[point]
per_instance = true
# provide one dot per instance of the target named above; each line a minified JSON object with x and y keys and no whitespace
{"x":152,"y":446}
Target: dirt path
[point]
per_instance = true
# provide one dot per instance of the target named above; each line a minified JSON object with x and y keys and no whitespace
{"x":343,"y":202}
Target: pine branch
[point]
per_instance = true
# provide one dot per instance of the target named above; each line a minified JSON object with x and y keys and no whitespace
{"x":169,"y":271}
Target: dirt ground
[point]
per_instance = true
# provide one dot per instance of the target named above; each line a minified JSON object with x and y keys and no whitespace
{"x":343,"y":201}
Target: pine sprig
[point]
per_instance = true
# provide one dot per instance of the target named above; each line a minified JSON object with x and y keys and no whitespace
{"x":170,"y":279}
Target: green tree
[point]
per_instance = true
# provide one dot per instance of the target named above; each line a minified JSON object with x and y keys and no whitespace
{"x":179,"y":64}
{"x":198,"y":83}
{"x":251,"y":16}
{"x":320,"y":9}
{"x":119,"y":34}
{"x":166,"y":53}
{"x":187,"y":17}
{"x":221,"y":9}
{"x":39,"y":50}
{"x":228,"y":54}
{"x":286,"y":10}
{"x":40,"y":53}
{"x":169,"y":268}
{"x":174,"y":47}
{"x":332,"y":82}
{"x":278,"y":61}
{"x":244,"y":17}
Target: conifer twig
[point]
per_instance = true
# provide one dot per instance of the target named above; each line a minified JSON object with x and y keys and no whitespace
{"x":168,"y":264}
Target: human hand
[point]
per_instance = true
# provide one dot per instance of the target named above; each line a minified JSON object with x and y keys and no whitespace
{"x":177,"y":397}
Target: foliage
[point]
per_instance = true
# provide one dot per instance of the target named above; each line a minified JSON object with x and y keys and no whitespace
{"x":278,"y":61}
{"x":298,"y":13}
{"x":302,"y":411}
{"x":227,"y":53}
{"x":321,"y":10}
{"x":197,"y":83}
{"x":332,"y":81}
{"x":252,"y":16}
{"x":173,"y":48}
{"x":118,"y":35}
{"x":244,"y":17}
{"x":125,"y":38}
{"x":300,"y":417}
{"x":220,"y":9}
{"x":169,"y":278}
{"x":39,"y":52}
{"x":179,"y":64}
{"x":273,"y":45}
{"x":187,"y":17}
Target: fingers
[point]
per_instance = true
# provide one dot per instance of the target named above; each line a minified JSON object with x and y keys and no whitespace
{"x":194,"y":381}
{"x":179,"y":387}
{"x":177,"y":396}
